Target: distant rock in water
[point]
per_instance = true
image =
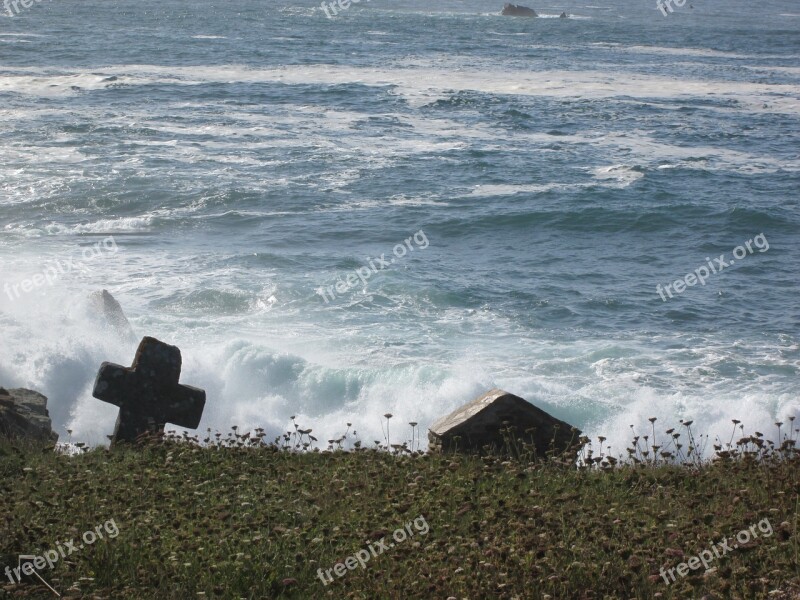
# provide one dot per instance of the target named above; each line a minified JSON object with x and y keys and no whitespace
{"x":563,"y":15}
{"x":108,"y":311}
{"x":515,"y":10}
{"x":23,"y":415}
{"x":498,"y":420}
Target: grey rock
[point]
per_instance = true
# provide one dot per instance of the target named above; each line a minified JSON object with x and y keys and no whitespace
{"x":516,"y":10}
{"x":480,"y":424}
{"x":24,"y":415}
{"x":105,"y":309}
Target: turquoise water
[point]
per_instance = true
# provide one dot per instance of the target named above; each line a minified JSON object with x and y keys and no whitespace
{"x":244,"y":156}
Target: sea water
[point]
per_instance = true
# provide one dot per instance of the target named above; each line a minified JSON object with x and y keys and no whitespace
{"x":244,"y":157}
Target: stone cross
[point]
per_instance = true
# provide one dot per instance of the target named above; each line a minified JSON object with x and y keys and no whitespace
{"x":148,"y":393}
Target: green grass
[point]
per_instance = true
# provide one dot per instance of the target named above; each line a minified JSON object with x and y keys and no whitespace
{"x":248,"y":520}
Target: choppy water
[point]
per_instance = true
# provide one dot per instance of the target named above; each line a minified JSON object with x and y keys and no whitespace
{"x":245,"y":154}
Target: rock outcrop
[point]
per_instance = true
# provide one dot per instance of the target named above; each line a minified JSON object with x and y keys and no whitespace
{"x":23,"y":415}
{"x":502,"y":422}
{"x":515,"y":10}
{"x":105,"y":309}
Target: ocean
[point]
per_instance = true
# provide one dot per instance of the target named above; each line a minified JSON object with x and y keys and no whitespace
{"x":400,"y":207}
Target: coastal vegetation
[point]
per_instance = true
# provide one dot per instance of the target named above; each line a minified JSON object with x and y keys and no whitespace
{"x":237,"y":517}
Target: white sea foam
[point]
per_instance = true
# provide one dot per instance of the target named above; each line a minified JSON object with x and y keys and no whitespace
{"x":700,"y":52}
{"x":103,"y":226}
{"x":624,"y":175}
{"x":422,"y":85}
{"x":280,"y":369}
{"x":404,"y":200}
{"x":505,"y":189}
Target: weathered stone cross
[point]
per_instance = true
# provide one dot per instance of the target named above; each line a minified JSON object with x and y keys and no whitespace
{"x":148,"y":393}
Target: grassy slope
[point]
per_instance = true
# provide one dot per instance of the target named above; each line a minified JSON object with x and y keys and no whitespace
{"x":258,"y":523}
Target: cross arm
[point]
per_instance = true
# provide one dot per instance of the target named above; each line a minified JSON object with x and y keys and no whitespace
{"x":185,"y":409}
{"x":111,"y":382}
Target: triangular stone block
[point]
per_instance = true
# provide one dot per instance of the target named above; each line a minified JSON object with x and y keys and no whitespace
{"x":485,"y":422}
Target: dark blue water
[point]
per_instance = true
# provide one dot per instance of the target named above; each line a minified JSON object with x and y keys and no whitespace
{"x":246,"y":156}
